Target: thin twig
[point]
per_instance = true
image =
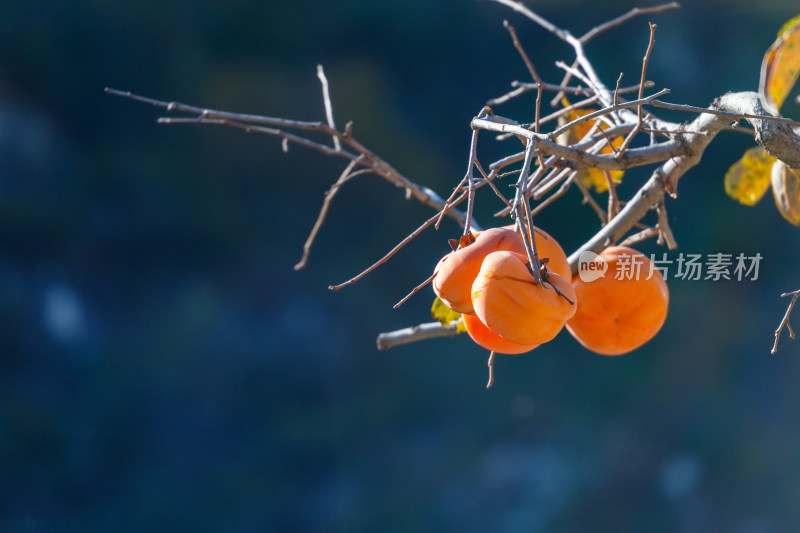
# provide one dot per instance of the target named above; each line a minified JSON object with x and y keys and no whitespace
{"x":396,"y":248}
{"x":605,"y":111}
{"x":574,"y":71}
{"x":643,"y":235}
{"x":635,"y":12}
{"x":414,"y":291}
{"x":639,"y":115}
{"x":489,"y":181}
{"x":664,"y":231}
{"x":521,"y":8}
{"x":587,"y":199}
{"x":521,"y":88}
{"x":785,"y":321}
{"x":616,"y":89}
{"x":594,"y":32}
{"x":448,"y":202}
{"x":519,"y":209}
{"x":613,"y":201}
{"x":718,"y":112}
{"x":345,"y":176}
{"x":523,"y":55}
{"x":469,"y":176}
{"x":326,"y":98}
{"x":556,"y":195}
{"x":244,"y":121}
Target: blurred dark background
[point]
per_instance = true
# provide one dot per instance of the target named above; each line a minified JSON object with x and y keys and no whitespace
{"x":164,"y":369}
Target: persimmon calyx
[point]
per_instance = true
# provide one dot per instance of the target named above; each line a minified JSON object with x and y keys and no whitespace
{"x":462,"y":242}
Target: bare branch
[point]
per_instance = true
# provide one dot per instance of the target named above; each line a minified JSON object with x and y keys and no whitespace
{"x":429,"y":330}
{"x":785,"y":322}
{"x":243,"y":121}
{"x":605,"y":111}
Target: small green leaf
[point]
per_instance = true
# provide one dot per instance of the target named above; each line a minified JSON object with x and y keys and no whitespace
{"x":445,"y":315}
{"x":786,"y":189}
{"x":748,"y":179}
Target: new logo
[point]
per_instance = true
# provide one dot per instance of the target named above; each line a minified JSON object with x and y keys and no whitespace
{"x":591,"y":266}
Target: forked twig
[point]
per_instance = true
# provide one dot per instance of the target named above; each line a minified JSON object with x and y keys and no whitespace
{"x":785,"y":321}
{"x":639,"y":114}
{"x":345,"y":176}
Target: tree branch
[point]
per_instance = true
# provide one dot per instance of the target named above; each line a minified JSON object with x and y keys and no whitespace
{"x":785,"y":322}
{"x":429,"y":330}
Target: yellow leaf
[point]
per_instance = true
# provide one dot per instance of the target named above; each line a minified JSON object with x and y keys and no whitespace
{"x":781,"y":66}
{"x":445,"y":315}
{"x":591,"y":177}
{"x":786,"y":188}
{"x":748,"y":179}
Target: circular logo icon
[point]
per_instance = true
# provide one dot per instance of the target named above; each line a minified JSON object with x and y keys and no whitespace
{"x":591,"y":266}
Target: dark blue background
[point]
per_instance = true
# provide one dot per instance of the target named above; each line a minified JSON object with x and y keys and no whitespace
{"x":164,"y":369}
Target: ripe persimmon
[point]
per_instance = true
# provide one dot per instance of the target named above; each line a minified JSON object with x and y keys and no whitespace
{"x":614,"y":315}
{"x":456,"y":271}
{"x":508,"y":300}
{"x":485,"y":337}
{"x":548,"y":248}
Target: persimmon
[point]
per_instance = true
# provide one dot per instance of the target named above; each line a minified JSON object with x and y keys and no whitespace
{"x":548,"y":248}
{"x":508,"y":300}
{"x":616,"y":316}
{"x":457,"y":270}
{"x":485,"y":337}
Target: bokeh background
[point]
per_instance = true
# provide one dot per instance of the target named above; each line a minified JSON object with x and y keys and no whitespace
{"x":163,"y":368}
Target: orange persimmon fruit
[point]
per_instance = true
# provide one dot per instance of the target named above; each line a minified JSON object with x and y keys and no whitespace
{"x":454,"y":274}
{"x":485,"y":337}
{"x":616,"y":316}
{"x":507,"y":299}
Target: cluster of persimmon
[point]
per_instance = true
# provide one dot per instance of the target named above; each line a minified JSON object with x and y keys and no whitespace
{"x":489,"y":280}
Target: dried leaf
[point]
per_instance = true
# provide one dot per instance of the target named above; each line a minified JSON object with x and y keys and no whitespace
{"x":748,"y":179}
{"x":445,"y":315}
{"x":786,"y":188}
{"x":591,"y":177}
{"x":781,"y":66}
